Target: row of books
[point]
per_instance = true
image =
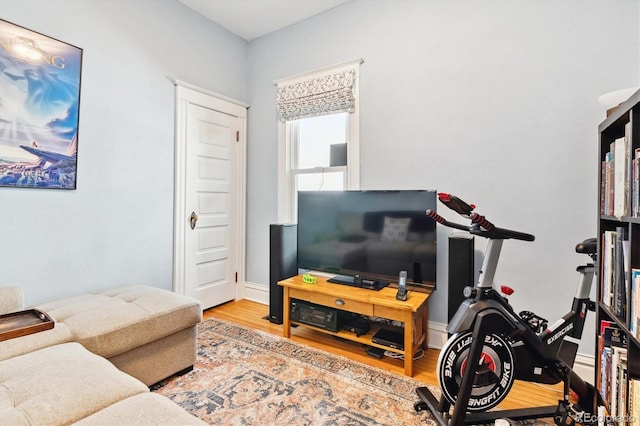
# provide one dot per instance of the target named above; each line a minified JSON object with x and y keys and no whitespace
{"x":620,"y":391}
{"x":620,"y":183}
{"x":615,"y":288}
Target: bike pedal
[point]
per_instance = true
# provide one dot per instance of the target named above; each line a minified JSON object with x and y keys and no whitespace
{"x":569,"y":414}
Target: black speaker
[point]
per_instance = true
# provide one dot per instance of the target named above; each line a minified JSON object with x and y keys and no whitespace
{"x":283,"y":252}
{"x":461,"y":269}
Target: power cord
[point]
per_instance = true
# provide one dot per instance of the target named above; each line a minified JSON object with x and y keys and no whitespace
{"x":419,"y":354}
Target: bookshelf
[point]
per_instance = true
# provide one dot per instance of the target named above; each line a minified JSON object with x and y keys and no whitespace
{"x":618,"y":309}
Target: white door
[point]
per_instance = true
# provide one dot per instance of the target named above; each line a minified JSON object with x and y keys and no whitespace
{"x":209,"y":216}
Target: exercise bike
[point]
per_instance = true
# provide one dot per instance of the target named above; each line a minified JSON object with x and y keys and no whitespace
{"x":491,"y":345}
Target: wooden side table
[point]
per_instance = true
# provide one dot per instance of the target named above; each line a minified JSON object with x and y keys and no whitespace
{"x":413,"y":312}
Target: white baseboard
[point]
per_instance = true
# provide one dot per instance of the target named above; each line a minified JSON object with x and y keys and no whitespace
{"x":256,"y":293}
{"x":437,"y":335}
{"x":583,"y":365}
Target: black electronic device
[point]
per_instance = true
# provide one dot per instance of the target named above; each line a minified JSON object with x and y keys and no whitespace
{"x":365,"y":238}
{"x":316,"y":315}
{"x":357,"y":325}
{"x":282,"y":265}
{"x":376,"y":352}
{"x":361,"y":282}
{"x":391,"y":337}
{"x":402,"y":286}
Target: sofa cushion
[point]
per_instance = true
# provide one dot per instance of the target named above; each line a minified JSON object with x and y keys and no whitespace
{"x":60,"y":384}
{"x":11,"y":299}
{"x":60,"y":333}
{"x":111,"y":322}
{"x":142,"y":409}
{"x":117,"y":320}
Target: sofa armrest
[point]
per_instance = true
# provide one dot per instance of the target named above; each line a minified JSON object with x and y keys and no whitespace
{"x":10,"y":299}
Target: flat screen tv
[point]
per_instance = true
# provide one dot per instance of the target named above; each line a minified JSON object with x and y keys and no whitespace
{"x":366,"y":238}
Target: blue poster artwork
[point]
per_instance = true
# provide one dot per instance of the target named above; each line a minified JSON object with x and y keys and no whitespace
{"x":39,"y":109}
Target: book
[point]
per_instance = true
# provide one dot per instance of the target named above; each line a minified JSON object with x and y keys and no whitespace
{"x":607,"y":267}
{"x":620,"y":177}
{"x":619,"y":278}
{"x":615,"y":286}
{"x":634,"y":398}
{"x":612,"y":345}
{"x":635,"y":184}
{"x":614,"y":337}
{"x":634,"y":315}
{"x":605,"y":373}
{"x":614,"y":384}
{"x":603,"y":187}
{"x":628,"y":172}
{"x":602,"y":415}
{"x":622,"y":388}
{"x":609,"y":171}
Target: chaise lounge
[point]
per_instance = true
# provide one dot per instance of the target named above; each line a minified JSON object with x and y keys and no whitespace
{"x":95,"y":365}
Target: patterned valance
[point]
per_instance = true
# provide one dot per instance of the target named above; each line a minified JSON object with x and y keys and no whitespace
{"x":329,"y":94}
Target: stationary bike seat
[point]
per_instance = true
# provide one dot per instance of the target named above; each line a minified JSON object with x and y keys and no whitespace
{"x":588,"y":246}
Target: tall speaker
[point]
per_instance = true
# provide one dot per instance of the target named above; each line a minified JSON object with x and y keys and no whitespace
{"x":461,"y":269}
{"x":283,"y":252}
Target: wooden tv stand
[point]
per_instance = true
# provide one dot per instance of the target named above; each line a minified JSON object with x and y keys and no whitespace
{"x":382,"y":303}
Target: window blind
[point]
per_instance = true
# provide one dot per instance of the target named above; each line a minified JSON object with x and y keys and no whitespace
{"x":327,"y":94}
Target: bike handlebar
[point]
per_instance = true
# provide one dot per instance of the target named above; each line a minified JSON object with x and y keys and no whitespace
{"x":502,"y":233}
{"x":481,"y":221}
{"x":442,"y":221}
{"x":479,"y":224}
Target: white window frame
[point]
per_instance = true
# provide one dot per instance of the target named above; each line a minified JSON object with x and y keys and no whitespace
{"x":288,"y":133}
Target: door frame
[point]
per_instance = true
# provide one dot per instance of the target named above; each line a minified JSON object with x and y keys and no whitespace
{"x":186,"y":94}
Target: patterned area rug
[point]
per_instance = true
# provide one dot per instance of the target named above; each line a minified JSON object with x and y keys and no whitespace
{"x":248,"y":377}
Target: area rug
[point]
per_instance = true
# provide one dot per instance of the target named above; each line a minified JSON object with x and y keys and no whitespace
{"x":249,"y":377}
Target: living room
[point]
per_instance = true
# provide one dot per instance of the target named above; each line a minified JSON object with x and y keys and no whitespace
{"x":494,"y":101}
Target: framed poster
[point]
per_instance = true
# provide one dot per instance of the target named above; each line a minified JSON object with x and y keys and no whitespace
{"x":39,"y":109}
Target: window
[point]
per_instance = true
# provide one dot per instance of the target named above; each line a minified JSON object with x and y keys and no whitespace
{"x":318,"y":134}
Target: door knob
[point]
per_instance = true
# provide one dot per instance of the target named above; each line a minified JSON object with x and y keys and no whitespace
{"x":193,"y":220}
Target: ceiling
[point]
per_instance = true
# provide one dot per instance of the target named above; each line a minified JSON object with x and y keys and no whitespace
{"x":251,"y":19}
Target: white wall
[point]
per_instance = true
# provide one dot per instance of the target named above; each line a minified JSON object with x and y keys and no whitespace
{"x":117,"y":227}
{"x":494,"y":101}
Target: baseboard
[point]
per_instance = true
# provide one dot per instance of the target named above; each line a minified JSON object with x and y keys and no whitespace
{"x":437,"y":334}
{"x":583,"y":365}
{"x":256,"y":293}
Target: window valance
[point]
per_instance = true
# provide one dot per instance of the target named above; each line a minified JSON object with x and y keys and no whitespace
{"x":327,"y":94}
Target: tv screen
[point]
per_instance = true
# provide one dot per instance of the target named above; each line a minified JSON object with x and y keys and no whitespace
{"x":368,"y":235}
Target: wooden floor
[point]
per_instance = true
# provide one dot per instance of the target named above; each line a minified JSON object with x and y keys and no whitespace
{"x":252,"y":315}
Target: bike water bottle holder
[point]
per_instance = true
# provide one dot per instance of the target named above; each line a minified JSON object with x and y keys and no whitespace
{"x":535,"y":322}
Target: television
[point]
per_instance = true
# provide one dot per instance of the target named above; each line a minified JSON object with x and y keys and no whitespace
{"x":365,"y":238}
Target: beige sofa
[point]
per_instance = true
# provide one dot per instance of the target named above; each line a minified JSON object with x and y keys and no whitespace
{"x":95,"y":365}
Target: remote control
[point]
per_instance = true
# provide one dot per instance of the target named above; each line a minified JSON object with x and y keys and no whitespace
{"x":402,"y":286}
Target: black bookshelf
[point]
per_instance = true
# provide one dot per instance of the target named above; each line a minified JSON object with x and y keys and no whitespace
{"x":617,"y":362}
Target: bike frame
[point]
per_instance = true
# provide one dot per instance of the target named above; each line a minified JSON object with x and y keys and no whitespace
{"x":544,"y":358}
{"x":488,"y":299}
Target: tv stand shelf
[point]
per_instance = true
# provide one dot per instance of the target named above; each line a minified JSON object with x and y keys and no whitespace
{"x":381,"y":303}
